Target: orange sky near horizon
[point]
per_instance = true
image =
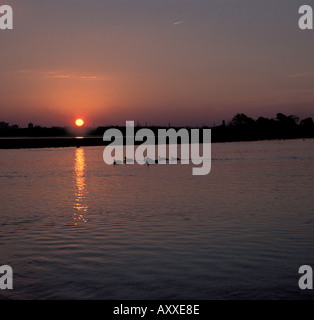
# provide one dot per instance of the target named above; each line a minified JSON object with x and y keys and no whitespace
{"x":187,"y":63}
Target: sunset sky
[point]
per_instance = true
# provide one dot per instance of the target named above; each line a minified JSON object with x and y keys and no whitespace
{"x":186,"y":62}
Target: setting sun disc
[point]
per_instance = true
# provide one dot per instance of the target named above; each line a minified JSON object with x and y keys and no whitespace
{"x":79,"y":122}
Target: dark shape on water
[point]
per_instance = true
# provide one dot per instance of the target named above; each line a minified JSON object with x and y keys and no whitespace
{"x":149,"y":161}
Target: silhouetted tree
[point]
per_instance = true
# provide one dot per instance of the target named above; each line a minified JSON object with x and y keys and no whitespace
{"x":281,"y":117}
{"x":264,"y":122}
{"x":307,"y":122}
{"x":241,"y":119}
{"x":291,"y":120}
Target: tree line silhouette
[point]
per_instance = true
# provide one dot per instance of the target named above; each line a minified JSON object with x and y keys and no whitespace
{"x":244,"y":128}
{"x":240,"y":128}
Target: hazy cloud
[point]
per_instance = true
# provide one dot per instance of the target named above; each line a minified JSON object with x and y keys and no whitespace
{"x":300,"y":75}
{"x":178,"y":22}
{"x":57,"y":74}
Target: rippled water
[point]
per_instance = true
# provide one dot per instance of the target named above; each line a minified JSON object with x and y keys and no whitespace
{"x":72,"y":227}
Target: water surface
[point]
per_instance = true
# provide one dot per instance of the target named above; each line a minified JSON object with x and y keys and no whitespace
{"x":72,"y":227}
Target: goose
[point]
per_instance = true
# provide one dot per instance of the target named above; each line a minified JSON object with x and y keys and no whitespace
{"x":128,"y":160}
{"x":116,"y":162}
{"x":150,"y":160}
{"x":162,"y":160}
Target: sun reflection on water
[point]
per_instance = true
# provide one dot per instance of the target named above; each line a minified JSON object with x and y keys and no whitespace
{"x":80,"y":205}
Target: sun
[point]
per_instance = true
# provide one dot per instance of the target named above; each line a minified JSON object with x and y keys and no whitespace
{"x":79,"y":122}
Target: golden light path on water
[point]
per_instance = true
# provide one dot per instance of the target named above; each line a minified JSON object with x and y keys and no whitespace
{"x":80,"y":187}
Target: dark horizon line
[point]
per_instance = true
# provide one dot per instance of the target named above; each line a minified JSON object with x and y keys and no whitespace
{"x":6,"y":125}
{"x":240,"y":128}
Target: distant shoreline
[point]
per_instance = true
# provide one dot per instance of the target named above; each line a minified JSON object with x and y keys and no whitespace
{"x":65,"y":142}
{"x":49,"y":142}
{"x":241,"y":128}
